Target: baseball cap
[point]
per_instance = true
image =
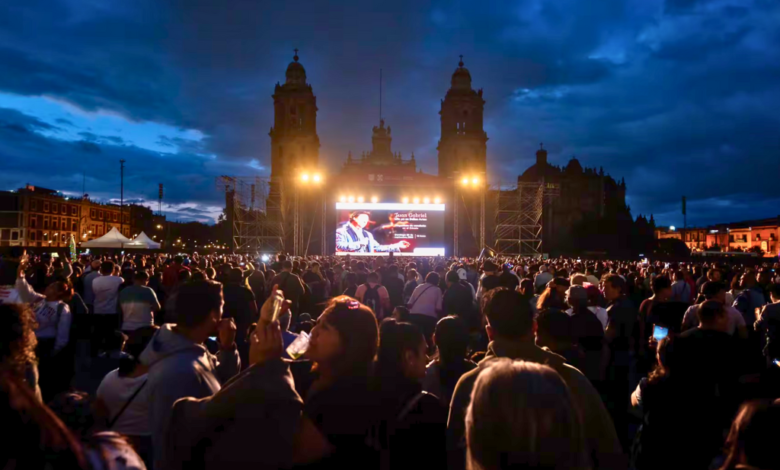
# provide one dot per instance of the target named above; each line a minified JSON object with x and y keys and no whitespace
{"x":462,"y":273}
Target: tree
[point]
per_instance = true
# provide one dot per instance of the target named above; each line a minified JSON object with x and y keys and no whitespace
{"x":756,"y":249}
{"x":714,"y":247}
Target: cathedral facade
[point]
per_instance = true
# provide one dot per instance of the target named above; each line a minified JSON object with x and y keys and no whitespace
{"x":585,"y":195}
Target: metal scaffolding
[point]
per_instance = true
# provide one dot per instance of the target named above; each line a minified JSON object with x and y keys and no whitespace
{"x":254,"y":211}
{"x":531,"y":197}
{"x":507,"y":225}
{"x":518,"y":229}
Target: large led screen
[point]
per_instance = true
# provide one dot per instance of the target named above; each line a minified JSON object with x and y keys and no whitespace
{"x":371,"y":229}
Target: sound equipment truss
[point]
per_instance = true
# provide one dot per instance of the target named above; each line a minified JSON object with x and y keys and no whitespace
{"x":253,"y":206}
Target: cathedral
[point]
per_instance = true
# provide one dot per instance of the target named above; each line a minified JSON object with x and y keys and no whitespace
{"x":585,"y":195}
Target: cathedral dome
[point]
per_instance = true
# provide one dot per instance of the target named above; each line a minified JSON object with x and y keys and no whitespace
{"x":296,"y":74}
{"x":574,"y":166}
{"x":461,"y":78}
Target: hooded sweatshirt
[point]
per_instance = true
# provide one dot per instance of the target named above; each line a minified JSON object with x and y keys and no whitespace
{"x":180,"y":368}
{"x":602,"y":442}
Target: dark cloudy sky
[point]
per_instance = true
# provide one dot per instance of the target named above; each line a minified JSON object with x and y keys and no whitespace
{"x":677,"y":96}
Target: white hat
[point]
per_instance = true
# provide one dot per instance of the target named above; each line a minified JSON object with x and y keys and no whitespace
{"x":462,"y":274}
{"x":543,"y":268}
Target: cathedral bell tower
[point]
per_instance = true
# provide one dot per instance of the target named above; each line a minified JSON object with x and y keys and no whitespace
{"x":463,"y":143}
{"x":294,"y":140}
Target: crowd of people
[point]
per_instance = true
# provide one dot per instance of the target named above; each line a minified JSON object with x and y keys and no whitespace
{"x":235,"y":361}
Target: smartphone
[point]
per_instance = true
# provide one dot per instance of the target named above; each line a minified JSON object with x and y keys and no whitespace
{"x":213,"y":338}
{"x":659,"y":332}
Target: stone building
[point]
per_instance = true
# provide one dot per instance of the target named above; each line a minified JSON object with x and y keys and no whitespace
{"x":584,"y":196}
{"x":39,"y":217}
{"x":587,"y":197}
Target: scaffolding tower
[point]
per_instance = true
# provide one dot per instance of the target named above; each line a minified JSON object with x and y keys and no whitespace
{"x":519,"y":213}
{"x":254,"y":213}
{"x":507,"y":226}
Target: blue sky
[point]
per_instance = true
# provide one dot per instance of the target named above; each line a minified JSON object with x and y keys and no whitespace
{"x":680,"y":97}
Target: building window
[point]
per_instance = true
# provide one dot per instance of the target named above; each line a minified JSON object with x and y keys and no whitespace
{"x":63,"y":238}
{"x":45,"y":207}
{"x":33,"y":221}
{"x":100,"y":215}
{"x":54,"y":224}
{"x":114,"y":216}
{"x":100,"y":230}
{"x":33,"y":205}
{"x":14,"y":235}
{"x":92,"y":214}
{"x":73,"y":227}
{"x":32,"y":236}
{"x":74,"y":211}
{"x":46,"y":223}
{"x":54,"y":208}
{"x":127,"y":218}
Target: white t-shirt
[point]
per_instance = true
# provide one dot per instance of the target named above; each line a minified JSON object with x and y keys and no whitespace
{"x":600,"y":312}
{"x":106,"y":289}
{"x":427,"y":300}
{"x":115,"y":391}
{"x":691,"y":318}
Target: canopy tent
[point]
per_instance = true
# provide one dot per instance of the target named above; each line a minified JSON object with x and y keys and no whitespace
{"x":113,"y":239}
{"x":142,"y":241}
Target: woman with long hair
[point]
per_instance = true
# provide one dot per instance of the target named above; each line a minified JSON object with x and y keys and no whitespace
{"x":522,"y":416}
{"x":18,"y":343}
{"x":36,"y":438}
{"x":753,"y":437}
{"x":340,"y":402}
{"x":551,"y":299}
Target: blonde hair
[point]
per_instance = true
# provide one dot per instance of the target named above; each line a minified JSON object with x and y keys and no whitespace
{"x":522,"y":416}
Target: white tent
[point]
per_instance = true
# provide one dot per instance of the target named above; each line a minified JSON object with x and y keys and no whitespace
{"x":142,"y":241}
{"x":113,"y":239}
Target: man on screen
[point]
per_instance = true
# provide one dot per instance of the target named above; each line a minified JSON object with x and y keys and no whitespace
{"x":354,"y":238}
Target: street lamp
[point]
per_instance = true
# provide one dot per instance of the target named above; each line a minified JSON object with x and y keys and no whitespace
{"x":470,"y":182}
{"x":307,"y":179}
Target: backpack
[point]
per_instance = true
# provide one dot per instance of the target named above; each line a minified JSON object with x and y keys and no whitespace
{"x":372,"y":300}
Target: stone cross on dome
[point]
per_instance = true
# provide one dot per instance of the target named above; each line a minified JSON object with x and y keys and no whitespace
{"x":295,"y":57}
{"x":460,"y":64}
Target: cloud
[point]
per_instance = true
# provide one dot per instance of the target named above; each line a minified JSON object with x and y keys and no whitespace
{"x":678,"y":96}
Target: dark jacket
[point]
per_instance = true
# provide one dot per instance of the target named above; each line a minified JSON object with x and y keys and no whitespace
{"x":249,"y":424}
{"x":412,"y":427}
